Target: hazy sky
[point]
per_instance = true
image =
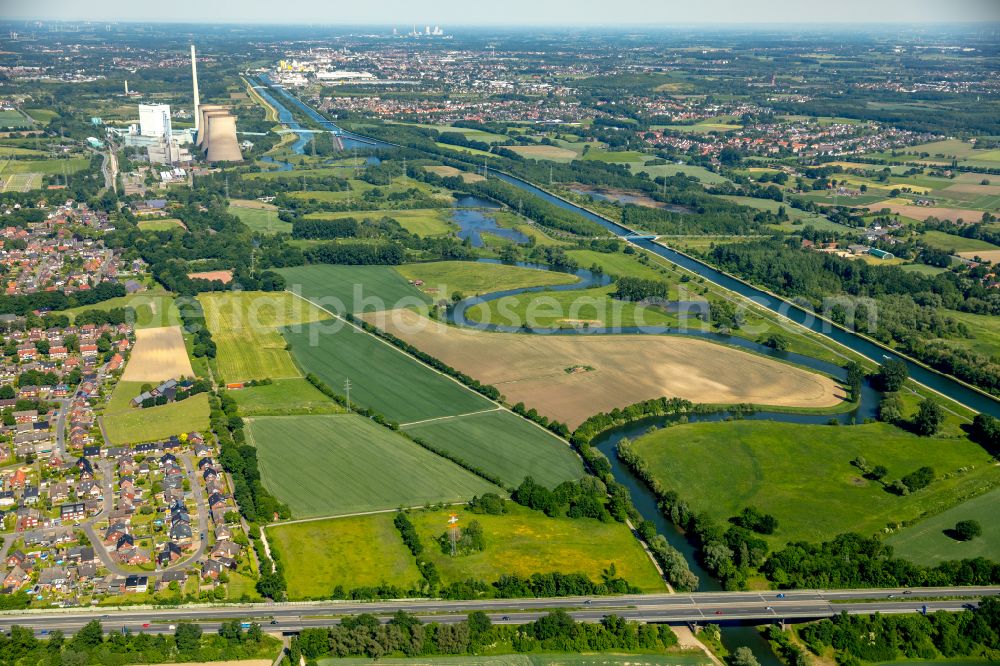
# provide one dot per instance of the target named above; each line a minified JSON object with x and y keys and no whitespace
{"x":510,"y":12}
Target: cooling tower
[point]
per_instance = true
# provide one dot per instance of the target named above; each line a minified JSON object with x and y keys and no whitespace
{"x":205,"y":117}
{"x":221,"y":137}
{"x":203,"y":112}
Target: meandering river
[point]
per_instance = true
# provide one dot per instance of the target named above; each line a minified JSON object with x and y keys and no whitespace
{"x":643,"y":498}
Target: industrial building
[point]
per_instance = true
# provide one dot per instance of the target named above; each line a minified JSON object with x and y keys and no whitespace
{"x":154,"y":120}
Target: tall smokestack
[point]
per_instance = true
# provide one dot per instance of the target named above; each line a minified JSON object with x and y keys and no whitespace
{"x":194,"y":79}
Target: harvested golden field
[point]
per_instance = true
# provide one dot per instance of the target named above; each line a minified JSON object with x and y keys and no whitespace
{"x":625,"y":368}
{"x":992,"y":256}
{"x":159,"y":354}
{"x":451,"y":172}
{"x":923,"y":212}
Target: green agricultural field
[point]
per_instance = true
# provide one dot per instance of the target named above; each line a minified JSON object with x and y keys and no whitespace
{"x":125,"y":424}
{"x":570,"y":309}
{"x":701,"y":173}
{"x":19,"y":182}
{"x":524,"y":542}
{"x":296,"y":173}
{"x":420,"y":221}
{"x":20,"y":152}
{"x":612,"y":156}
{"x":505,"y":445}
{"x":353,"y":288}
{"x":263,"y":220}
{"x":616,"y":264}
{"x":382,"y":377}
{"x":948,"y":242}
{"x":463,"y":149}
{"x":41,"y":115}
{"x":245,"y":325}
{"x":334,"y":465}
{"x":160,"y":224}
{"x":360,"y":187}
{"x":803,"y":475}
{"x":471,"y":278}
{"x":284,"y":397}
{"x":798,"y":219}
{"x":15,"y":119}
{"x":928,"y":542}
{"x":703,"y":243}
{"x":359,"y":551}
{"x":48,"y":167}
{"x":153,"y":309}
{"x":923,"y":269}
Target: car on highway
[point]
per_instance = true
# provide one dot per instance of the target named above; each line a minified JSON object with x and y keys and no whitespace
{"x":274,"y":622}
{"x":768,"y":608}
{"x":171,"y":627}
{"x":505,"y":618}
{"x":145,"y":625}
{"x":907,"y":591}
{"x":780,"y":595}
{"x":587,"y":602}
{"x":718,"y":612}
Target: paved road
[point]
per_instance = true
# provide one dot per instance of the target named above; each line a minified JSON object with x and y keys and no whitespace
{"x":677,"y":608}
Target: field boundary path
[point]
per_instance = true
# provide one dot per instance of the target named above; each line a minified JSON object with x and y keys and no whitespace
{"x":498,"y":408}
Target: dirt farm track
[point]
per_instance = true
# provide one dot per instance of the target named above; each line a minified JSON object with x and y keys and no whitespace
{"x":626,"y":368}
{"x":159,"y":354}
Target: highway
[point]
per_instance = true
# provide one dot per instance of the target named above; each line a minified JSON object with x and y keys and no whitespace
{"x":668,"y":608}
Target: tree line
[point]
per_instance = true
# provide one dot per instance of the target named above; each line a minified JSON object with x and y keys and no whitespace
{"x":406,"y":635}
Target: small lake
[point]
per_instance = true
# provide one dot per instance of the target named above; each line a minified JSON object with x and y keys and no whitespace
{"x":472,"y":219}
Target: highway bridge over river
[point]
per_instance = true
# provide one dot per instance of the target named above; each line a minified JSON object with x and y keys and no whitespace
{"x":695,"y":608}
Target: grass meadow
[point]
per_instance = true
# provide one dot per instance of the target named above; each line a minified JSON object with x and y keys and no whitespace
{"x":357,"y":551}
{"x":334,"y":465}
{"x":928,"y":543}
{"x":245,"y":326}
{"x":524,"y":542}
{"x":160,"y":224}
{"x":153,"y":309}
{"x":569,"y":309}
{"x":346,"y":288}
{"x":125,"y":424}
{"x":951,"y":242}
{"x":420,"y":221}
{"x":802,"y":474}
{"x":284,"y":397}
{"x":260,"y":218}
{"x":505,"y":445}
{"x":471,"y":277}
{"x":382,"y":377}
{"x":618,"y":264}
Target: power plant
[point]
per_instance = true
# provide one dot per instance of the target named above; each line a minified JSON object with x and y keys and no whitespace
{"x":215,"y":126}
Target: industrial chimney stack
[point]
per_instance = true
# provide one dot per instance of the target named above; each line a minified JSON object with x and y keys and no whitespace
{"x":194,"y":79}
